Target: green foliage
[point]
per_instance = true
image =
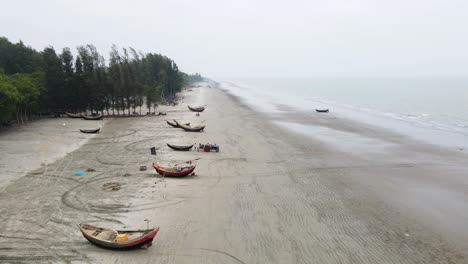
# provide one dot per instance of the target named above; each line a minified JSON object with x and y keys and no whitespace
{"x":54,"y":80}
{"x":18,"y":58}
{"x":26,"y":86}
{"x":9,"y":97}
{"x":45,"y":81}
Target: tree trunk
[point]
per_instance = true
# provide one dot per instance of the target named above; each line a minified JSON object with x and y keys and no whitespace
{"x":17,"y":115}
{"x":21,"y":115}
{"x":26,"y":116}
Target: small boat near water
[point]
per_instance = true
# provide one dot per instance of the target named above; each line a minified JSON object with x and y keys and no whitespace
{"x":73,"y":115}
{"x":174,"y":123}
{"x":175,"y":171}
{"x":196,"y":109}
{"x":322,"y":110}
{"x":90,"y":131}
{"x":179,"y":148}
{"x":98,"y":117}
{"x":118,"y":239}
{"x":191,"y":129}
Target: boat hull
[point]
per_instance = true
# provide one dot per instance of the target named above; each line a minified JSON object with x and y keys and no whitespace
{"x":166,"y":173}
{"x":196,"y":109}
{"x":99,"y":117}
{"x":175,"y":123}
{"x":187,"y":128}
{"x":73,"y":115}
{"x":192,"y":129}
{"x":180,"y":148}
{"x":322,"y":111}
{"x":146,"y":243}
{"x":142,"y":242}
{"x":90,"y":131}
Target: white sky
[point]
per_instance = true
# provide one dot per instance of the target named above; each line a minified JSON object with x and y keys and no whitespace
{"x":241,"y":38}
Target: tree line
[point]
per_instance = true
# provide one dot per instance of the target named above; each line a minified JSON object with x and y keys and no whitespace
{"x":33,"y":82}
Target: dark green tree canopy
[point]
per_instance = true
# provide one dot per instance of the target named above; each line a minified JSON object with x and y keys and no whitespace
{"x":32,"y":82}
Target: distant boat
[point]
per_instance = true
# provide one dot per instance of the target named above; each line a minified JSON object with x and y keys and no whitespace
{"x":180,"y":148}
{"x":98,"y":117}
{"x":191,"y":129}
{"x":173,"y":171}
{"x":174,"y":123}
{"x":90,"y":131}
{"x":118,"y":240}
{"x":196,"y":109}
{"x":73,"y":115}
{"x":322,"y":110}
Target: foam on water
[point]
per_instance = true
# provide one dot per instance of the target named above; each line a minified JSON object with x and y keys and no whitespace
{"x":440,"y":129}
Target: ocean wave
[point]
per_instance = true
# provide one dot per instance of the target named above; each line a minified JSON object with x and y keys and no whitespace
{"x":265,"y":100}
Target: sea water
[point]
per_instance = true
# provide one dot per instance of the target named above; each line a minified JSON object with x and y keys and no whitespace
{"x":431,"y":109}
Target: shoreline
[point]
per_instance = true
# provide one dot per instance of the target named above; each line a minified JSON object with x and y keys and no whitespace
{"x":449,"y":135}
{"x":269,"y":196}
{"x":365,"y":148}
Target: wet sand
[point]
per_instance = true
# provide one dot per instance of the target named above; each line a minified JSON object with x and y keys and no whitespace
{"x":269,"y":196}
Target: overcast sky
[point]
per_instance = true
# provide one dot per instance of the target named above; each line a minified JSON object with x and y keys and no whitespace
{"x":246,"y":38}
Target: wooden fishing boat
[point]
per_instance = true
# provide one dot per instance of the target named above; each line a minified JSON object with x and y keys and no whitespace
{"x":173,"y":171}
{"x":179,"y":148}
{"x":98,"y":117}
{"x":174,"y":123}
{"x":118,"y":240}
{"x":191,"y":129}
{"x":90,"y":131}
{"x":73,"y":115}
{"x":322,"y":110}
{"x":196,"y":109}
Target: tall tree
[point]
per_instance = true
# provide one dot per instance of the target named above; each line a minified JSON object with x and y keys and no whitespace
{"x":54,"y":80}
{"x":68,"y":81}
{"x":34,"y":81}
{"x":9,"y":97}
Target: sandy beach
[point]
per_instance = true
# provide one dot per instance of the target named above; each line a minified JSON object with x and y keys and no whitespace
{"x":289,"y":188}
{"x":39,"y":143}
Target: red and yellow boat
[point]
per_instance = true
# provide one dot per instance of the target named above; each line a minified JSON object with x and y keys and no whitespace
{"x":118,"y":239}
{"x":175,"y":171}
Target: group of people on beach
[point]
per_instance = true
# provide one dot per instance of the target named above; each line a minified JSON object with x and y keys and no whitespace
{"x":206,"y":147}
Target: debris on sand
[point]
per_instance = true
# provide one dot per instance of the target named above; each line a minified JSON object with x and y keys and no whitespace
{"x":111,"y":187}
{"x":90,"y":170}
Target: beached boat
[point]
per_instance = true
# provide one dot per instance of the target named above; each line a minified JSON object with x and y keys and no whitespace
{"x":90,"y":131}
{"x":73,"y":115}
{"x":191,"y":129}
{"x":98,"y":117}
{"x":196,"y":109}
{"x":173,"y":171}
{"x":174,"y":123}
{"x":322,"y":110}
{"x":179,"y":148}
{"x":117,"y":239}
